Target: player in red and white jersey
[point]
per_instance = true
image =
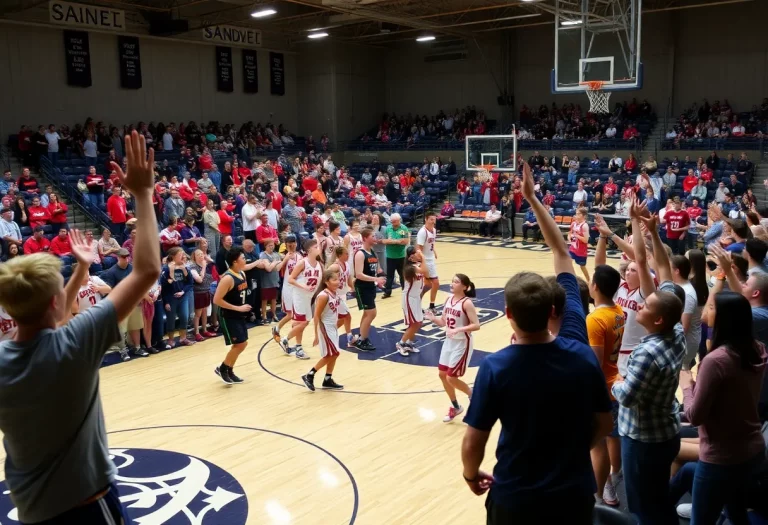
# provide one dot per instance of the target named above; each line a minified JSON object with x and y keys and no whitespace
{"x":333,"y":240}
{"x":7,"y":326}
{"x":339,"y":262}
{"x":292,"y":258}
{"x":638,"y":284}
{"x":460,"y":319}
{"x":305,"y":278}
{"x":92,"y":290}
{"x":425,"y":240}
{"x":579,"y":237}
{"x":353,"y":241}
{"x":326,"y":318}
{"x":415,"y":274}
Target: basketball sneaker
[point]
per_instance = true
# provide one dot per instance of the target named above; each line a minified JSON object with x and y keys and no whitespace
{"x":287,"y":350}
{"x":412,"y":349}
{"x":364,"y":345}
{"x":223,"y":375}
{"x":402,"y":349}
{"x":236,"y":380}
{"x":124,"y":354}
{"x":300,"y":353}
{"x":352,"y":339}
{"x":276,"y":334}
{"x":309,"y":382}
{"x":684,"y":510}
{"x":330,"y":384}
{"x":140,"y":352}
{"x":610,"y":497}
{"x":452,"y":413}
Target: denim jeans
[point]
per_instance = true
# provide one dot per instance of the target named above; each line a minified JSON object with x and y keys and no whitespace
{"x":646,"y":478}
{"x":572,"y":177}
{"x":718,"y":486}
{"x":53,"y":156}
{"x":476,"y":194}
{"x":180,"y":309}
{"x":90,"y":161}
{"x":96,"y":199}
{"x":108,"y":261}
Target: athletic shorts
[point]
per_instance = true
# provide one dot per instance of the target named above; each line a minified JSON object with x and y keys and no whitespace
{"x":578,"y":259}
{"x":328,"y":338}
{"x":412,"y":312}
{"x":202,"y":300}
{"x":235,"y":330}
{"x":366,"y":298}
{"x":343,"y":308}
{"x":432,"y":267}
{"x":287,"y":300}
{"x":134,"y":321}
{"x":302,"y":306}
{"x":455,"y":355}
{"x":268,"y":294}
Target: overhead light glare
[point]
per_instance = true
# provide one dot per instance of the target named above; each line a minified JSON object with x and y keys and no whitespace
{"x":425,"y":38}
{"x":317,"y":35}
{"x":261,"y":13}
{"x":570,"y":22}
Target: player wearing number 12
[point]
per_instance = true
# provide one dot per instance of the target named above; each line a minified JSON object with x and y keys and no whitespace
{"x":460,"y":319}
{"x":232,"y":297}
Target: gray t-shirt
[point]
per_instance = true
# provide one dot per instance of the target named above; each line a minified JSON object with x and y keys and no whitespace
{"x":693,"y":337}
{"x":51,"y":416}
{"x":270,"y":279}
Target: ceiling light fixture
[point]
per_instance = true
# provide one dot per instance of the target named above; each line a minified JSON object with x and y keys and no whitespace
{"x":570,"y":22}
{"x":317,"y":35}
{"x":425,"y":38}
{"x":263,"y":13}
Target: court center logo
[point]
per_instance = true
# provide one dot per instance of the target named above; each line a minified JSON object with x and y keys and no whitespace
{"x":162,"y":487}
{"x":489,"y":305}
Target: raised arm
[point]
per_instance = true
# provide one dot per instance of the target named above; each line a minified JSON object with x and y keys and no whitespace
{"x":663,"y":268}
{"x":726,"y":265}
{"x":146,"y":253}
{"x":647,"y":287}
{"x":549,"y":229}
{"x":81,"y":250}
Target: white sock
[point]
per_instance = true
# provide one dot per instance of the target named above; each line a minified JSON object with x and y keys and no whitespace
{"x":615,"y":476}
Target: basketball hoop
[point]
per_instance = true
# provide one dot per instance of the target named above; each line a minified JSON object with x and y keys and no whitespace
{"x":598,"y":99}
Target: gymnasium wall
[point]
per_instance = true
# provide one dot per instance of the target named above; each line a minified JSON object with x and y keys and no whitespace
{"x":179,"y":83}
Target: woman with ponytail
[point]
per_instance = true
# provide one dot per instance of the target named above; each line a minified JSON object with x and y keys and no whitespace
{"x":326,"y":317}
{"x":460,"y":319}
{"x":415,"y":274}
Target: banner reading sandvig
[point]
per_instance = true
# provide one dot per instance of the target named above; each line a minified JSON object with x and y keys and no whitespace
{"x":240,"y":36}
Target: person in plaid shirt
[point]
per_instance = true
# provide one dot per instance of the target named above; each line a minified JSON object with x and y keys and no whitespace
{"x":649,"y":423}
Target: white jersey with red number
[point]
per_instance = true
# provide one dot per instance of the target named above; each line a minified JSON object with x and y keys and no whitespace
{"x":355,"y":243}
{"x":310,"y":277}
{"x":411,"y":300}
{"x":426,"y":239}
{"x":7,"y":326}
{"x":457,"y":350}
{"x":330,"y":246}
{"x":455,"y":317}
{"x":630,"y":301}
{"x":579,"y":247}
{"x":88,"y":296}
{"x":287,"y":299}
{"x":344,"y":277}
{"x":328,"y":334}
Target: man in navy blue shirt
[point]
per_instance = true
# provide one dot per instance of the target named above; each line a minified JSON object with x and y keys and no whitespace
{"x":550,"y":395}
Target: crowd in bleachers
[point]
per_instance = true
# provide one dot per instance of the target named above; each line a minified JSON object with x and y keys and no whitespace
{"x":441,"y":131}
{"x":718,"y":126}
{"x":553,"y":126}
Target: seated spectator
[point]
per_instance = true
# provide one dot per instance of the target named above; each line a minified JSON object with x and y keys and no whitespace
{"x":61,"y":247}
{"x":27,"y":184}
{"x":530,"y":223}
{"x":721,"y":192}
{"x":96,"y":266}
{"x":38,"y":215}
{"x":631,"y":164}
{"x":699,"y":192}
{"x":58,"y":211}
{"x":610,"y":188}
{"x":615,"y":164}
{"x":744,"y":166}
{"x":108,"y":248}
{"x":491,"y":222}
{"x":735,"y":187}
{"x":579,"y":195}
{"x":37,"y":243}
{"x":689,"y":181}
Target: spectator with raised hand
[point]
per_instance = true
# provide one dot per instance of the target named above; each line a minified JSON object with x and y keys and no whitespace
{"x":649,"y":422}
{"x":80,"y":475}
{"x":561,"y":487}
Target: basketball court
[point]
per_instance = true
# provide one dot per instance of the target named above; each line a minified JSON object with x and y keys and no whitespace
{"x":191,"y":450}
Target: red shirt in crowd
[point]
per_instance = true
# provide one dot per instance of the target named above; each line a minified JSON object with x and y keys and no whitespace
{"x":265,"y":232}
{"x":689,"y":182}
{"x":676,"y":219}
{"x":693,"y":212}
{"x":630,"y":164}
{"x":33,"y":245}
{"x":117,"y":209}
{"x":27,"y":184}
{"x":225,"y":222}
{"x":309,"y":184}
{"x":38,"y":216}
{"x":610,"y":188}
{"x":206,"y":162}
{"x":706,"y":175}
{"x":277,"y":200}
{"x":61,"y":246}
{"x":58,"y":212}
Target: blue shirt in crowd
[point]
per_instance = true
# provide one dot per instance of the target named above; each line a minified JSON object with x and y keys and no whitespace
{"x":539,"y":392}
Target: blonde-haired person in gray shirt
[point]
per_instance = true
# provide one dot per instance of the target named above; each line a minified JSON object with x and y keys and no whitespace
{"x":57,"y":466}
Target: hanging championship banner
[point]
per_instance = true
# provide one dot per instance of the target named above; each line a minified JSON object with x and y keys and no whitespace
{"x":277,"y":73}
{"x":77,"y":54}
{"x":224,"y":79}
{"x":130,"y":62}
{"x":250,"y":71}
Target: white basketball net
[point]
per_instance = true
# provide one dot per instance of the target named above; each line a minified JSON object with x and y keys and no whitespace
{"x":598,"y":99}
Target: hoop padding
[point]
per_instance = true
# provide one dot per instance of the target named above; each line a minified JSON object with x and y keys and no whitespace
{"x":599,"y":100}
